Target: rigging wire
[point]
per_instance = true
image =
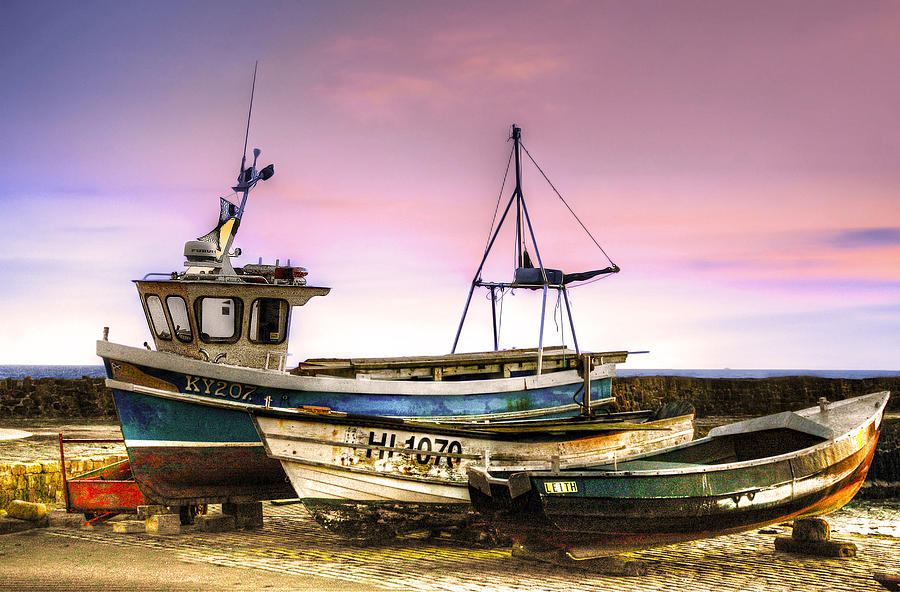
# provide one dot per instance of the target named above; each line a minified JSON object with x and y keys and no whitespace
{"x":596,"y":279}
{"x":565,"y":202}
{"x":499,"y":198}
{"x":560,"y":325}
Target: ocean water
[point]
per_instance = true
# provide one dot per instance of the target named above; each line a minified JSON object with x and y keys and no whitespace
{"x":52,"y":371}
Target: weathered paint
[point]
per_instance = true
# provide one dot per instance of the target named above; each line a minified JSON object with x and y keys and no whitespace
{"x":178,"y":416}
{"x":331,"y":456}
{"x":613,"y":510}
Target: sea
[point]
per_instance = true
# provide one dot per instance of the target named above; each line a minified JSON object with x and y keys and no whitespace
{"x":97,"y":371}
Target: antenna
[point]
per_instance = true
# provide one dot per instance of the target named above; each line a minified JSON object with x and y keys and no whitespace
{"x":249,"y":113}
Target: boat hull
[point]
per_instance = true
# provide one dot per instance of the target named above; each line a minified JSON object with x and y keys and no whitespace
{"x":403,"y":475}
{"x":190,"y":439}
{"x":595,"y":513}
{"x":375,"y":459}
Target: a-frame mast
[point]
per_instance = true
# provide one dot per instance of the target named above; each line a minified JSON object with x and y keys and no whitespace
{"x":522,"y":261}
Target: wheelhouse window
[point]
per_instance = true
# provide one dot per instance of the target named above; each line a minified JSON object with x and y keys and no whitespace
{"x":268,"y":320}
{"x":178,"y":312}
{"x":158,"y":321}
{"x":219,"y":319}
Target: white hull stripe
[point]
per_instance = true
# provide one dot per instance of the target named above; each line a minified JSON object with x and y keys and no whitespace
{"x":176,"y":444}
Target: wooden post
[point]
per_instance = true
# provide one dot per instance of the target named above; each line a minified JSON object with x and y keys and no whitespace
{"x":586,"y":399}
{"x":540,"y":361}
{"x":494,"y":318}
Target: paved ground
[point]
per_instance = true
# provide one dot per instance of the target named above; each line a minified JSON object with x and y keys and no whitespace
{"x":31,"y":439}
{"x":291,"y":552}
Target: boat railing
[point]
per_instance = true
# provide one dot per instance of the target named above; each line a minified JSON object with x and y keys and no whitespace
{"x":246,"y":278}
{"x":279,"y":357}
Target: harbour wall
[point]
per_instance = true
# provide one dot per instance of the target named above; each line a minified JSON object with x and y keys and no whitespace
{"x":48,"y":398}
{"x":746,"y":396}
{"x":88,"y":398}
{"x":41,"y":481}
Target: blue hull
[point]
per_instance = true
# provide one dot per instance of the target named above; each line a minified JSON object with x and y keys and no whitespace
{"x":206,"y":450}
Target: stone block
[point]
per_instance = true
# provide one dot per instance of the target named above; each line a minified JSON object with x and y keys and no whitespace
{"x":144,"y":512}
{"x":9,"y":525}
{"x":17,"y":468}
{"x":130,"y":526}
{"x":216,"y":522}
{"x":63,"y":518}
{"x":33,"y":467}
{"x":26,"y":510}
{"x":49,"y":466}
{"x":163,"y":524}
{"x":245,"y":515}
{"x":830,"y":548}
{"x":811,"y":529}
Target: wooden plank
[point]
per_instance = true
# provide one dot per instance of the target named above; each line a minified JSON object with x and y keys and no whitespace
{"x":504,"y":355}
{"x":503,"y":363}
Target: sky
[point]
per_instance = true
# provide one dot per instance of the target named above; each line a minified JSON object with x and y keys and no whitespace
{"x":739,"y":161}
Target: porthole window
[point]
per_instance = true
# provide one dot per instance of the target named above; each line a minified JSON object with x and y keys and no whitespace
{"x":158,"y":321}
{"x":219,"y":319}
{"x":178,"y":312}
{"x":268,"y":320}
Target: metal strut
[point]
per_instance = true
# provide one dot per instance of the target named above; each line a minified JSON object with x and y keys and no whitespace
{"x":523,"y":220}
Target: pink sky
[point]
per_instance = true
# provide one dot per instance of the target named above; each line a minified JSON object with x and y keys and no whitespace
{"x":740,"y":162}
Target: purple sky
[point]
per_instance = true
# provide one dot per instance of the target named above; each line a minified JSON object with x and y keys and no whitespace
{"x":739,"y":160}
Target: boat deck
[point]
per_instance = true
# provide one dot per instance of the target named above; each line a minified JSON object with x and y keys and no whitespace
{"x":493,"y":364}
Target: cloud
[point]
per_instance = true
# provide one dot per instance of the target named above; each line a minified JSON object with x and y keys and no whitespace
{"x":863,"y":238}
{"x":503,"y":66}
{"x":380,"y":96}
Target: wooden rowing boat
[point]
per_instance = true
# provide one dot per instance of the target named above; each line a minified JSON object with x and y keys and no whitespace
{"x":740,"y":477}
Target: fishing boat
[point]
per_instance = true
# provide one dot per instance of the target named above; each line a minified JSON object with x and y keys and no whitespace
{"x":365,"y":476}
{"x":221,"y":332}
{"x":740,"y":477}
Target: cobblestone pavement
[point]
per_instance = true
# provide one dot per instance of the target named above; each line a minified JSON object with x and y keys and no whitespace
{"x":292,"y":543}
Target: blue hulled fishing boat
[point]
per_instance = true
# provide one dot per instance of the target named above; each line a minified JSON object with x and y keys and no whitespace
{"x":221,"y":340}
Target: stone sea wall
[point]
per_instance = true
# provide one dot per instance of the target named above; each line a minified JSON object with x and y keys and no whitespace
{"x":745,"y":396}
{"x":41,"y":481}
{"x":55,"y":398}
{"x":88,"y":397}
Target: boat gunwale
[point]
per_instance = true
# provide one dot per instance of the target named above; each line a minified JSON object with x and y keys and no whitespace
{"x":248,"y":407}
{"x":577,"y":472}
{"x":481,"y":431}
{"x":500,"y":430}
{"x":331,"y":384}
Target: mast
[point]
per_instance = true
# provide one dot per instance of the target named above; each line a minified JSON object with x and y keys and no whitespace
{"x":247,"y":178}
{"x":517,"y":192}
{"x":526,"y":274}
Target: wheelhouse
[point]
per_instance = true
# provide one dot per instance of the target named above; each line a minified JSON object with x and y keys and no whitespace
{"x":241,"y":323}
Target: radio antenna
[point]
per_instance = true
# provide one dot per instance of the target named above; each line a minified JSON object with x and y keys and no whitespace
{"x":249,"y":112}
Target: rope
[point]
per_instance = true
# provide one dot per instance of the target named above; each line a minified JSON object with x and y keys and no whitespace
{"x":499,"y":198}
{"x":565,"y":202}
